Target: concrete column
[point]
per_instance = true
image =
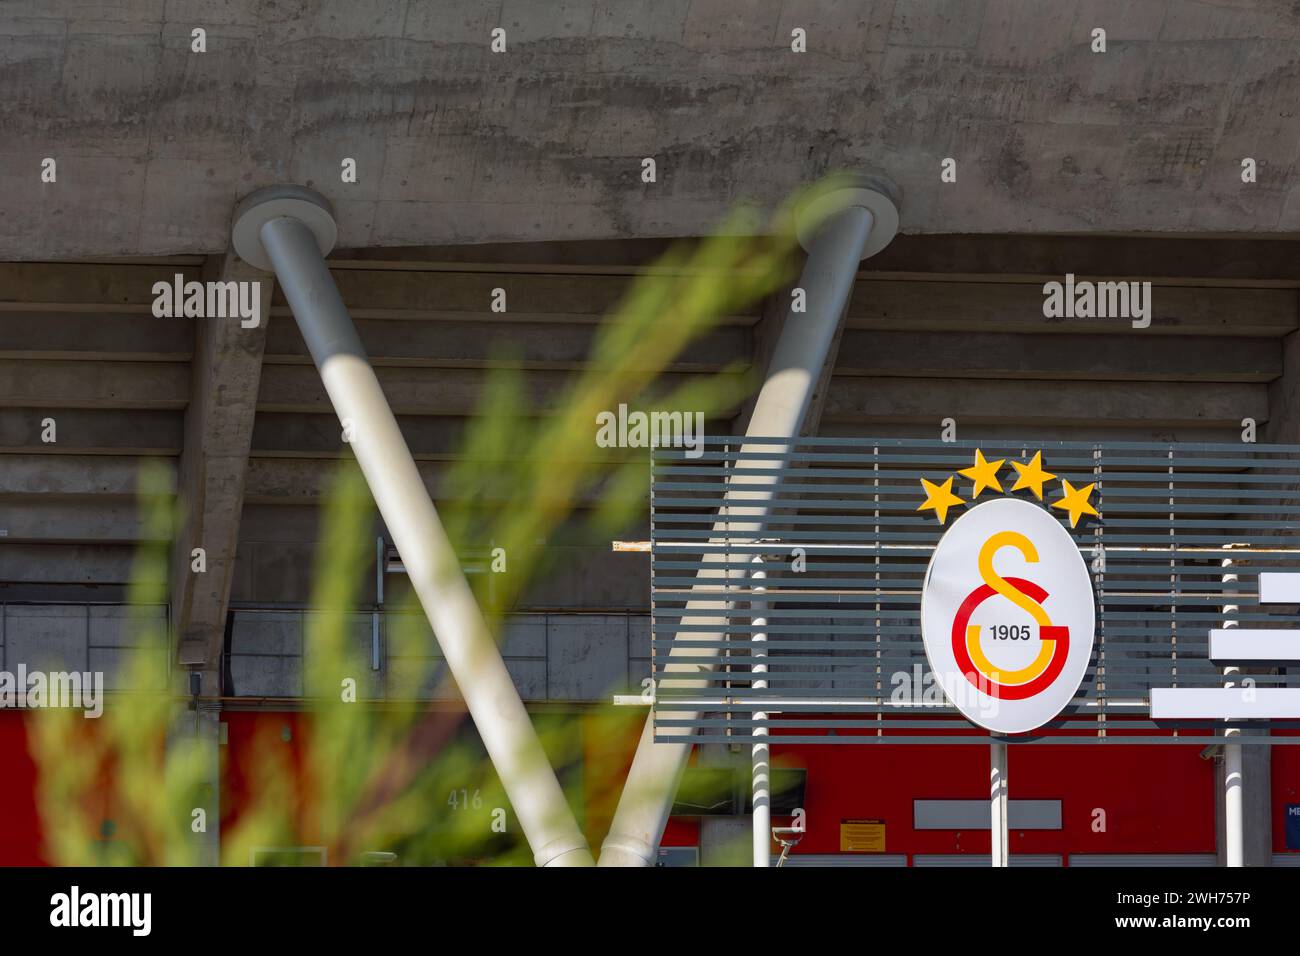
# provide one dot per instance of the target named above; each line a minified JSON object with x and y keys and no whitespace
{"x":195,"y":738}
{"x":1254,"y":770}
{"x":226,"y":373}
{"x":1257,"y":804}
{"x":725,"y":840}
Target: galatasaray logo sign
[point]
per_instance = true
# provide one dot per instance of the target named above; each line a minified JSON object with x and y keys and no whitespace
{"x":1007,"y":615}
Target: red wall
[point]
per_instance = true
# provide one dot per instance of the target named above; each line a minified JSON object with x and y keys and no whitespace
{"x":1158,"y":799}
{"x":1173,"y":813}
{"x":244,"y":729}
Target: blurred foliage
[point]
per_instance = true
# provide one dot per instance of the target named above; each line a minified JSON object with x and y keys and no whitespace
{"x":403,"y":776}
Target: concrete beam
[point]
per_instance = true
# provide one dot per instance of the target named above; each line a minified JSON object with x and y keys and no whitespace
{"x":67,"y":563}
{"x":299,"y":523}
{"x":1114,"y":357}
{"x":103,"y":476}
{"x":928,"y":400}
{"x":57,"y":383}
{"x":493,"y":340}
{"x":926,"y":306}
{"x":227,"y":371}
{"x":318,"y":435}
{"x":117,"y":336}
{"x":372,"y":293}
{"x":305,"y":480}
{"x":57,"y":519}
{"x":1043,"y":431}
{"x":284,"y":434}
{"x":1036,"y":259}
{"x":421,"y":391}
{"x":88,"y":286}
{"x":1023,"y":257}
{"x":93,"y":431}
{"x":457,"y":144}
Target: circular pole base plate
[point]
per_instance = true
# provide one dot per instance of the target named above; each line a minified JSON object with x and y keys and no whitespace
{"x":884,"y":213}
{"x":273,"y":202}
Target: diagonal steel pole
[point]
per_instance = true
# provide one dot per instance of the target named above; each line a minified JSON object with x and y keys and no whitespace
{"x":851,"y":225}
{"x":289,"y":229}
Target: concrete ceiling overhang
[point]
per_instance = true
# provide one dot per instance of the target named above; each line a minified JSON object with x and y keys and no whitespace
{"x":453,"y":143}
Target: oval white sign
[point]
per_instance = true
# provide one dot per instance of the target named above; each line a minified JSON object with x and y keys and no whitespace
{"x":1007,"y":616}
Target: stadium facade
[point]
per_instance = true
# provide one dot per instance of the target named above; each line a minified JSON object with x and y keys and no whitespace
{"x":1019,"y":155}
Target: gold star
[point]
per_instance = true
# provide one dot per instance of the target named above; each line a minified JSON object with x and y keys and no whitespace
{"x":1032,"y":475}
{"x":983,"y":473}
{"x":1076,"y":502}
{"x":940,"y":498}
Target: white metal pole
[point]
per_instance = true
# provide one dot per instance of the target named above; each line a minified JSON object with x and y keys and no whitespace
{"x":867,"y":220}
{"x":1234,"y":837}
{"x":999,"y":805}
{"x":287,"y":239}
{"x":1233,"y":818}
{"x":760,"y":755}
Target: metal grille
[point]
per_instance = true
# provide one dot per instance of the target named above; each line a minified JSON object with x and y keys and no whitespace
{"x":1184,"y":531}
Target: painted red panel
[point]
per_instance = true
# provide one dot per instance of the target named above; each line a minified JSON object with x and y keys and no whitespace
{"x":280,"y":735}
{"x":20,"y":823}
{"x":1157,"y":799}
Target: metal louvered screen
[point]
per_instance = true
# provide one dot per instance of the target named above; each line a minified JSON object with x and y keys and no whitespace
{"x":837,"y":567}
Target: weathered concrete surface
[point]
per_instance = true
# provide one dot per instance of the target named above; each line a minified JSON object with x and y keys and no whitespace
{"x":454,"y":143}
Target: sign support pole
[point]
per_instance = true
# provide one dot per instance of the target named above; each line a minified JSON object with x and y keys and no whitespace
{"x":998,"y":804}
{"x":1234,"y":841}
{"x":760,"y":753}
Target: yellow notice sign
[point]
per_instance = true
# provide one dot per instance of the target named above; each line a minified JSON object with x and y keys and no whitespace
{"x":862,"y":836}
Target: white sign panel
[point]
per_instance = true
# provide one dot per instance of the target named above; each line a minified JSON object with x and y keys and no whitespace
{"x":1007,"y":616}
